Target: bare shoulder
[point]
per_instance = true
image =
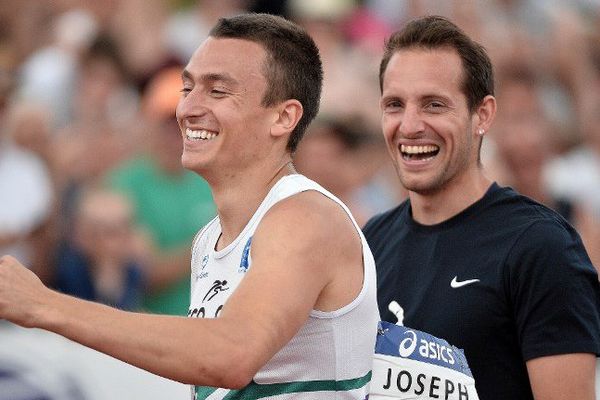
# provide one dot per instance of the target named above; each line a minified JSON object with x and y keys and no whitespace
{"x":313,"y":236}
{"x":310,"y":215}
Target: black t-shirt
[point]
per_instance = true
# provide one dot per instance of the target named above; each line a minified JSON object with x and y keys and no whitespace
{"x":507,"y":280}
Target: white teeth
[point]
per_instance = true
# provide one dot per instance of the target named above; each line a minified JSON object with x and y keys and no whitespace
{"x":418,"y":149}
{"x":201,"y":134}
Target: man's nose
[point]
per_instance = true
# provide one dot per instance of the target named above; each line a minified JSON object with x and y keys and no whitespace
{"x":412,"y":122}
{"x":192,"y":104}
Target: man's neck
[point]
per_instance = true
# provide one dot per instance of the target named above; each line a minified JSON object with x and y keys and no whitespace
{"x":435,"y":207}
{"x":238,"y":197}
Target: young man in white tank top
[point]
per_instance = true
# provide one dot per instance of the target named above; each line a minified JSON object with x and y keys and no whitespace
{"x":283,"y":299}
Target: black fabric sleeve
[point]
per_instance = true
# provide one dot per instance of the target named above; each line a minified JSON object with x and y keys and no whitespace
{"x":554,"y":292}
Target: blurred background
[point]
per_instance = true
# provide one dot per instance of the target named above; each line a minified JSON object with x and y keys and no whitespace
{"x":94,"y":199}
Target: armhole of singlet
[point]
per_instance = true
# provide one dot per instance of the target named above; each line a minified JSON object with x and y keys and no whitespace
{"x":366,"y":271}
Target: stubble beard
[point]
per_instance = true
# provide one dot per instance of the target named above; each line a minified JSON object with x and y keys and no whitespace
{"x":434,"y":181}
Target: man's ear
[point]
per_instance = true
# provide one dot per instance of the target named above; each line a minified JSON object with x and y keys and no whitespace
{"x":484,"y":115}
{"x":288,"y":115}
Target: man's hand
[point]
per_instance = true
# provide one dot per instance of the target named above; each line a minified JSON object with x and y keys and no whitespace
{"x":21,"y":292}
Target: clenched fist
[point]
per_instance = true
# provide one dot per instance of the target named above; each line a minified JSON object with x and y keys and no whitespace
{"x":22,"y":293}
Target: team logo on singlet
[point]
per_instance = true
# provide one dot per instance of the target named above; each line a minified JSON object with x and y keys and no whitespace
{"x":210,"y":308}
{"x":217,"y":287}
{"x":245,"y":262}
{"x":201,"y":273}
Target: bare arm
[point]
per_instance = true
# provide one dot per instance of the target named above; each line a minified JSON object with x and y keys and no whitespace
{"x":296,"y":253}
{"x":563,"y":377}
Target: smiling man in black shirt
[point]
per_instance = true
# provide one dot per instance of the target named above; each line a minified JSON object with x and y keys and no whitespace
{"x":490,"y":271}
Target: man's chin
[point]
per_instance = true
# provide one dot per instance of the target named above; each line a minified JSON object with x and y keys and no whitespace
{"x":421,"y":186}
{"x":190,"y":165}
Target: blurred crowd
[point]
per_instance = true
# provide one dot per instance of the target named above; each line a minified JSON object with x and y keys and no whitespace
{"x":92,"y":194}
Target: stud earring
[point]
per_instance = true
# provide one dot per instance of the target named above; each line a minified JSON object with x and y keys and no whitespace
{"x":480,"y":132}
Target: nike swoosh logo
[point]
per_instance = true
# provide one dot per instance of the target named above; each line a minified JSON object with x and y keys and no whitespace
{"x":456,"y":284}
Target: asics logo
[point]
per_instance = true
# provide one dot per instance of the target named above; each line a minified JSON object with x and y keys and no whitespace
{"x":434,"y":350}
{"x":455,"y":283}
{"x":408,"y":345}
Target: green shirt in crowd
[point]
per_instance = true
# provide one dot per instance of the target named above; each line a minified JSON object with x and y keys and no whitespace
{"x":172,"y":208}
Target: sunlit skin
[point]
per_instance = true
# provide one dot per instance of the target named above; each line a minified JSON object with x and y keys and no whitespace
{"x":223,"y":87}
{"x":423,"y":105}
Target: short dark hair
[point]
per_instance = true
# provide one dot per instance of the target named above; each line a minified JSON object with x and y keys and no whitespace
{"x":293,"y":67}
{"x":433,"y":32}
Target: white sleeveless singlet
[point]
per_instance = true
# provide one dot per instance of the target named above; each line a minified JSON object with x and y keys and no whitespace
{"x":330,"y":357}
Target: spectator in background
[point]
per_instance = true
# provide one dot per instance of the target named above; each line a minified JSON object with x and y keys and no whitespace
{"x":28,"y":128}
{"x":326,"y":156}
{"x":102,"y":260}
{"x":31,"y":127}
{"x":26,"y":188}
{"x":138,"y":27}
{"x":343,"y":155}
{"x":350,"y":79}
{"x":185,"y":28}
{"x":524,"y":141}
{"x":577,"y":39}
{"x":104,"y":117}
{"x":169,"y":202}
{"x":48,"y":74}
{"x":99,"y":134}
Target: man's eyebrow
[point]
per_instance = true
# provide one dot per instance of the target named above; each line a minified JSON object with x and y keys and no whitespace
{"x":219,"y":77}
{"x":185,"y":74}
{"x":211,"y":77}
{"x":390,"y":97}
